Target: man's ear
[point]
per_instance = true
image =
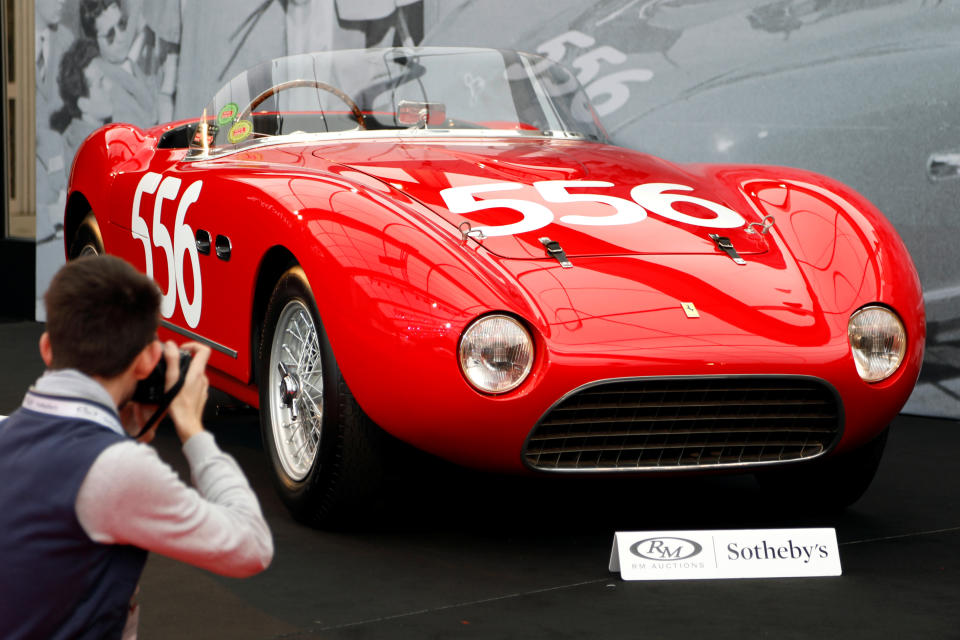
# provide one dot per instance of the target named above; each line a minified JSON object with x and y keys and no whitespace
{"x":46,"y":351}
{"x":147,"y":359}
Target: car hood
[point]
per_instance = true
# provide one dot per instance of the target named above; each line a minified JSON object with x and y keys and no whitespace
{"x":514,"y":194}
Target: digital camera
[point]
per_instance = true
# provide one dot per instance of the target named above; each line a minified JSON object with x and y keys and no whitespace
{"x":150,"y":390}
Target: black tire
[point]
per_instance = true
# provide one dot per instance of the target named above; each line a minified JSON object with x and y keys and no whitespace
{"x":825,"y":486}
{"x":337,"y":487}
{"x":87,"y":239}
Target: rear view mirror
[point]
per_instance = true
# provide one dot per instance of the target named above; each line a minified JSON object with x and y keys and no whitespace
{"x":410,"y":113}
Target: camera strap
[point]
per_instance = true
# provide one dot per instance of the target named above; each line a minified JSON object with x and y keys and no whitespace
{"x":165,"y":401}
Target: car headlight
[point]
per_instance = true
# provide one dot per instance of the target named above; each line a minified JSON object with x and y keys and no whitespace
{"x":496,"y":353}
{"x":878,"y":342}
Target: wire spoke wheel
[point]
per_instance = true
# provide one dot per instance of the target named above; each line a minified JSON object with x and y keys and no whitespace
{"x":325,"y":453}
{"x":296,"y":390}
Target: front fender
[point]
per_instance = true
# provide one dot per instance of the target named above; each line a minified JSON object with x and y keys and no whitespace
{"x":107,"y":152}
{"x":849,"y":253}
{"x":395,"y":288}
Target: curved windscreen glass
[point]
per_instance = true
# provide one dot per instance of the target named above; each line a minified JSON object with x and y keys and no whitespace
{"x":425,"y":91}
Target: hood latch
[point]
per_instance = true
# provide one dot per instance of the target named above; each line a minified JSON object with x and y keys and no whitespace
{"x":726,"y":245}
{"x":555,"y":250}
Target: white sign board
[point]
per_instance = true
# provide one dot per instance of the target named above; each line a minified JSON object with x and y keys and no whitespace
{"x":743,"y":553}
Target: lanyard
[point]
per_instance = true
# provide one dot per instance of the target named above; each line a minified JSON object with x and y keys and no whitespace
{"x":72,"y":408}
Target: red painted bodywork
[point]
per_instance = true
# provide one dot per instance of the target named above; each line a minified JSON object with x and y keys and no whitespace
{"x":396,"y":284}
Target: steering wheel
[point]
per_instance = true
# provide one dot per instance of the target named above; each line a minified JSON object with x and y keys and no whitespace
{"x":292,"y":84}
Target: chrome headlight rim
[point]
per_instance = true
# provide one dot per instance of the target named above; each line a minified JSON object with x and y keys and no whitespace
{"x":866,"y":372}
{"x":463,"y":355}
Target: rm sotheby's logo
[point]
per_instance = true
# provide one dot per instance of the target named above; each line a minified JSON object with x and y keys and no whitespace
{"x":731,"y":553}
{"x":665,"y":549}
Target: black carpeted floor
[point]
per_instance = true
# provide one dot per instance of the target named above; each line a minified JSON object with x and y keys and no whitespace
{"x":459,"y":554}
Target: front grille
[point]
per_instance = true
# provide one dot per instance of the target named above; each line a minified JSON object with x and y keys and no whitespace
{"x":671,"y":423}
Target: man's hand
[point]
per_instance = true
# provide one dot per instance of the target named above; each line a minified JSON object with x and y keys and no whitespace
{"x":186,"y":409}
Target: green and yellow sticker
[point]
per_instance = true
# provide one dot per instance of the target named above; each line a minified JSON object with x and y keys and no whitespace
{"x":228,"y":113}
{"x":240,"y":131}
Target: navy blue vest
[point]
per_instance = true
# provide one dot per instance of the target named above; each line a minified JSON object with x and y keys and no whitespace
{"x":55,"y":582}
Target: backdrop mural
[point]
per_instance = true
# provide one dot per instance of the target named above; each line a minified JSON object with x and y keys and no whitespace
{"x":866,"y":91}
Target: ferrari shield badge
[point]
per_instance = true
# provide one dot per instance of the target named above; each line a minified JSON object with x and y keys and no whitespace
{"x":690,"y":309}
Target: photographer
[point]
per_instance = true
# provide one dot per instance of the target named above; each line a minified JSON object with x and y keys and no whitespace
{"x":81,"y":501}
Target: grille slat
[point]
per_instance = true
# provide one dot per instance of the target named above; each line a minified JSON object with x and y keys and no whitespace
{"x":823,"y":416}
{"x":656,"y":405}
{"x":664,"y":432}
{"x":662,"y":423}
{"x":665,"y":446}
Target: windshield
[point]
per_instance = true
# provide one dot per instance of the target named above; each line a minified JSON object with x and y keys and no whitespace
{"x":425,"y":91}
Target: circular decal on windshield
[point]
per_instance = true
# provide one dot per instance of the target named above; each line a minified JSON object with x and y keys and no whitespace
{"x":227,"y":113}
{"x":240,"y":131}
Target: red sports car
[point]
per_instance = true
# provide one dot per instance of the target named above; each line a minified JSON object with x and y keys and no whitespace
{"x":443,"y":245}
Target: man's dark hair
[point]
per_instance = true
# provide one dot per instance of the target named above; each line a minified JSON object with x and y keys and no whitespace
{"x":72,"y":82}
{"x":101,"y":312}
{"x":90,"y":10}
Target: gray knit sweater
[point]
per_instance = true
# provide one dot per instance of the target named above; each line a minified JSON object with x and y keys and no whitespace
{"x":130,"y":496}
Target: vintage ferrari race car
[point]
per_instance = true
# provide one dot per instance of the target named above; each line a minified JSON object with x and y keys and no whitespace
{"x":441,"y":244}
